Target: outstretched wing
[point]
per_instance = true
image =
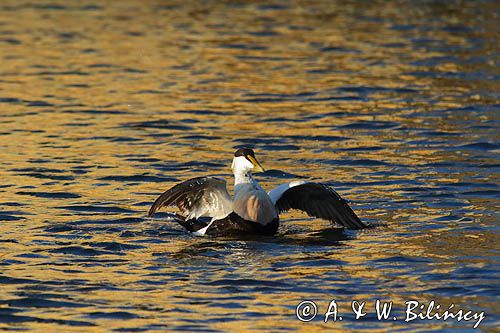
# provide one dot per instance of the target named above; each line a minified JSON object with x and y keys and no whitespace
{"x":202,"y":196}
{"x":316,"y":200}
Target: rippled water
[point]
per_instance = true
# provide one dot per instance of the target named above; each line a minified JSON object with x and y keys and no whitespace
{"x":105,"y":104}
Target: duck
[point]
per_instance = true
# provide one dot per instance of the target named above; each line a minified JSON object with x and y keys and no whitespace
{"x":206,"y":207}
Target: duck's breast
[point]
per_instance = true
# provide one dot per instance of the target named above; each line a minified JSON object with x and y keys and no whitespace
{"x":252,"y":203}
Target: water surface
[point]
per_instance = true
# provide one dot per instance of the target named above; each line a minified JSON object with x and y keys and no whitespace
{"x":104,"y":105}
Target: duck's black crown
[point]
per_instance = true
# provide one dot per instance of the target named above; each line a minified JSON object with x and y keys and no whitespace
{"x":244,"y":152}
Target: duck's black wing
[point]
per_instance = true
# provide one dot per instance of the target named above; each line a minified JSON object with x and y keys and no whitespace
{"x":202,"y":196}
{"x":318,"y":200}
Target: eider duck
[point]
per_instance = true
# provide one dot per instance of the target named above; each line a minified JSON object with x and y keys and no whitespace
{"x":252,"y":210}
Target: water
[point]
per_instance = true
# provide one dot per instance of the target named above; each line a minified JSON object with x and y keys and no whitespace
{"x":104,"y":105}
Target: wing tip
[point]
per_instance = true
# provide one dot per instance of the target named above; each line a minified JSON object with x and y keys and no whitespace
{"x":352,"y":221}
{"x":359,"y":226}
{"x":156,"y":205}
{"x":165,"y":199}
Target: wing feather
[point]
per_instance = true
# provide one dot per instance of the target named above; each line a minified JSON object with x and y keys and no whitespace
{"x":201,"y":196}
{"x":318,"y":200}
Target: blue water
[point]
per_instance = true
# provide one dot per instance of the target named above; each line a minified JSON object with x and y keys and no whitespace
{"x":105,"y":105}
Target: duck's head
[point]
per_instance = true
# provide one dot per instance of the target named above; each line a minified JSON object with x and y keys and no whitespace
{"x":244,"y":161}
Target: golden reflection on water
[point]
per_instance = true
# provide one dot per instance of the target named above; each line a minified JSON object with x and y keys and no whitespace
{"x":343,"y":92}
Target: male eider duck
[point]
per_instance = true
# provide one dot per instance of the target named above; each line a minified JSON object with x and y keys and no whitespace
{"x":252,"y":210}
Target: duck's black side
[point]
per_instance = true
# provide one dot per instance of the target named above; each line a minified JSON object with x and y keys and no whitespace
{"x":235,"y":225}
{"x":231,"y":225}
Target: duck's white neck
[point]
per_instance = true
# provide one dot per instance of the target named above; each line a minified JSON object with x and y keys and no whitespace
{"x":242,"y":170}
{"x":243,"y":178}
